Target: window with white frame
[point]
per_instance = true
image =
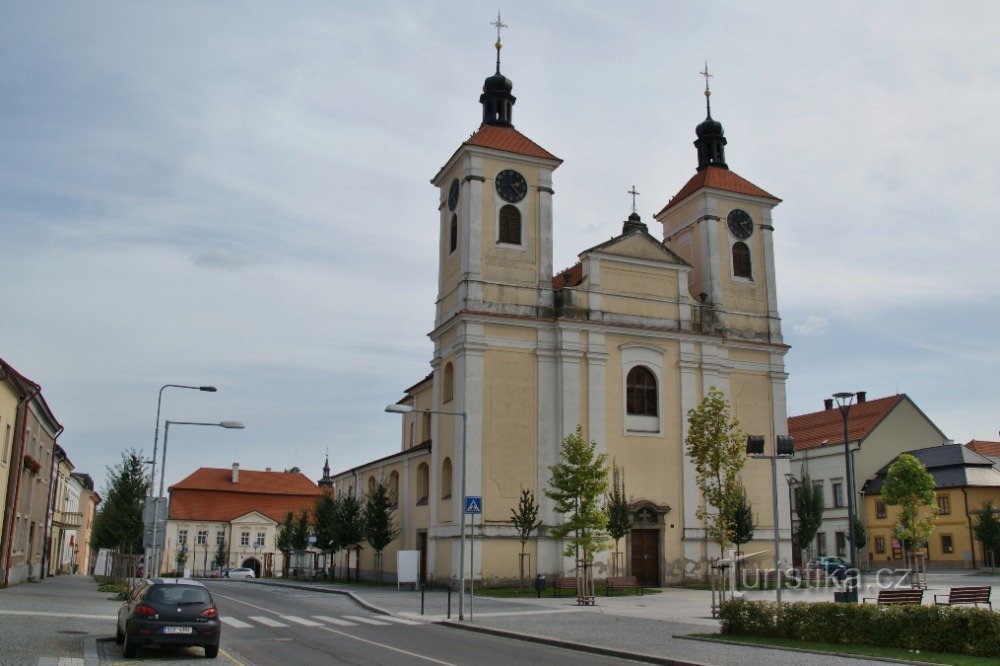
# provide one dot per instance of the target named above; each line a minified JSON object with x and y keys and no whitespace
{"x":642,"y":379}
{"x":202,"y":538}
{"x":220,"y":538}
{"x":182,"y":537}
{"x":260,"y":539}
{"x":838,"y":493}
{"x":244,"y":538}
{"x":6,"y":443}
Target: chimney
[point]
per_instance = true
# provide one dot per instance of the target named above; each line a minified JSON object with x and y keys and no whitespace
{"x":267,"y":469}
{"x":862,"y":397}
{"x":828,"y":403}
{"x":236,"y":472}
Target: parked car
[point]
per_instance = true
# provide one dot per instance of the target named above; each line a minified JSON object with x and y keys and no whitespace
{"x":169,"y":611}
{"x":238,"y":572}
{"x":833,"y":566}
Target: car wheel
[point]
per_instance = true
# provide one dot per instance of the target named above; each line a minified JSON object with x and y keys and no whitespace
{"x":211,"y":651}
{"x":130,"y":650}
{"x":119,"y":636}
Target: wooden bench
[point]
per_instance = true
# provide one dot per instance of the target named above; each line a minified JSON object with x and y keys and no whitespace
{"x":563,"y":583}
{"x":623,"y":582}
{"x":897,"y":597}
{"x":979,"y":594}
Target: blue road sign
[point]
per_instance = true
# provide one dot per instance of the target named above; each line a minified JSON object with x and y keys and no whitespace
{"x":473,"y":504}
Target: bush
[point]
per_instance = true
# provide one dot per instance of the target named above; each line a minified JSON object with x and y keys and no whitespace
{"x":971,"y":631}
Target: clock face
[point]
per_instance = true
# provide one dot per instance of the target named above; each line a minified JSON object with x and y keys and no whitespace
{"x":453,"y":195}
{"x":740,"y":223}
{"x":511,"y":185}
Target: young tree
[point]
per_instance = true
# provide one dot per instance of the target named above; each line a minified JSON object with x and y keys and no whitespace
{"x":300,"y":536}
{"x":809,"y":511}
{"x":525,"y":519}
{"x":325,"y":514}
{"x":577,"y":486}
{"x":717,"y":447}
{"x":181,"y":559}
{"x":910,"y":486}
{"x":284,"y":541}
{"x":380,"y":521}
{"x":118,"y":523}
{"x":743,"y":522}
{"x":860,"y":533}
{"x":619,"y":511}
{"x":987,"y":530}
{"x":221,"y":558}
{"x":349,"y":528}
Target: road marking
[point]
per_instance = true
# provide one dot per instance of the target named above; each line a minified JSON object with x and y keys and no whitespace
{"x":399,"y":620}
{"x":367,"y":620}
{"x":267,"y":621}
{"x":388,"y":647}
{"x":233,"y":622}
{"x":301,"y":620}
{"x":337,"y":621}
{"x":70,"y":615}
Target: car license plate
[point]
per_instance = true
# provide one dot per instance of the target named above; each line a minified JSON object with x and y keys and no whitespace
{"x":178,"y":630}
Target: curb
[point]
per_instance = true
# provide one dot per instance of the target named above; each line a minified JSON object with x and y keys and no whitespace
{"x":346,"y":593}
{"x":846,"y":655}
{"x":90,"y":657}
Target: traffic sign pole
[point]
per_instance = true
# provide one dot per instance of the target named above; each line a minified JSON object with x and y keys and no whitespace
{"x":473,"y":505}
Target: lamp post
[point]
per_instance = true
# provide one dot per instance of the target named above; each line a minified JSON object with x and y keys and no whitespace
{"x":156,"y":437}
{"x":792,"y":483}
{"x":406,"y":409}
{"x":844,"y":401}
{"x":163,"y":464}
{"x":784,"y":448}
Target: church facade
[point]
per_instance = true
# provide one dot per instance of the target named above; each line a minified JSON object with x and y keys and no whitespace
{"x":622,"y":344}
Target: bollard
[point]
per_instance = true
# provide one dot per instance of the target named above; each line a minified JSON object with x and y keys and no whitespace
{"x":540,"y":585}
{"x":449,"y":602}
{"x":421,"y":600}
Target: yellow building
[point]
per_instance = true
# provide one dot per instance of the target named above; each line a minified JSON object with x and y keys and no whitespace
{"x":964,"y":481}
{"x":623,"y":343}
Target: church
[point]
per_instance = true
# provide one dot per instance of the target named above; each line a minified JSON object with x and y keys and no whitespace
{"x":623,"y":344}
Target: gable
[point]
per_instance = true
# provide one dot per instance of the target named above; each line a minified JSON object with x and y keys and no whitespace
{"x":638,"y":245}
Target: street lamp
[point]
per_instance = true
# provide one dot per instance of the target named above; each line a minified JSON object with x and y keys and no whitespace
{"x":163,"y":464}
{"x":844,"y":401}
{"x":406,"y":409}
{"x":784,"y":448}
{"x":792,"y":483}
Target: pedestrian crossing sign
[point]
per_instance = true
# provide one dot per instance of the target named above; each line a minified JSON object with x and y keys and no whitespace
{"x":473,"y":505}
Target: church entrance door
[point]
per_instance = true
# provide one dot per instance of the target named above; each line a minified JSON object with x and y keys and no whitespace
{"x":646,"y":557}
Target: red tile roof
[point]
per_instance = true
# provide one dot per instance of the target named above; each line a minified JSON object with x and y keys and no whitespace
{"x":826,"y":427}
{"x":570,"y":277}
{"x":209,"y":494}
{"x":509,"y":140}
{"x":717,"y":178}
{"x":984,"y":447}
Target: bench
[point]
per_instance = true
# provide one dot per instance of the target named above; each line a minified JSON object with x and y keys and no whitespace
{"x":563,"y":583}
{"x":623,"y":582}
{"x":897,"y":597}
{"x":979,"y":594}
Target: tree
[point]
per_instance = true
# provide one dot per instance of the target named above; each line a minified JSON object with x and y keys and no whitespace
{"x":987,"y":530}
{"x":325,"y":515}
{"x":743,"y":521}
{"x":525,"y":519}
{"x":860,"y":533}
{"x":181,"y":559}
{"x":910,"y":486}
{"x":118,"y":523}
{"x":619,"y":511}
{"x":349,"y":528}
{"x":717,"y":448}
{"x":809,"y":510}
{"x":221,"y":558}
{"x":380,"y":521}
{"x":577,"y":486}
{"x":293,"y":470}
{"x":284,"y":540}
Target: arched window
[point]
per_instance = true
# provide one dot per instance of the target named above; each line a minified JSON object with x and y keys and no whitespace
{"x":640,"y":388}
{"x":371,"y":484}
{"x":510,"y":225}
{"x":453,"y":243}
{"x":741,"y":260}
{"x":422,"y":483}
{"x":446,"y":479}
{"x":448,"y":388}
{"x":394,"y":488}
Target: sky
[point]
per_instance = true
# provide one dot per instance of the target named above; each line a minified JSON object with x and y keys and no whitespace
{"x":237,"y":194}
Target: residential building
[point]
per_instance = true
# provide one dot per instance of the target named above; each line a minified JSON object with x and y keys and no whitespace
{"x":237,"y":509}
{"x":964,"y":481}
{"x":622,"y":345}
{"x":66,"y":518}
{"x":987,"y":448}
{"x":878,"y":430}
{"x":85,"y":555}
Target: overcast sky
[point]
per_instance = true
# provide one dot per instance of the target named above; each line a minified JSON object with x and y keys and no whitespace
{"x":237,"y":194}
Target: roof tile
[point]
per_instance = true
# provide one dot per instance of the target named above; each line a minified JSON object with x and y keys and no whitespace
{"x":209,"y":494}
{"x":984,"y":447}
{"x":827,"y":426}
{"x":509,"y":140}
{"x":717,"y":178}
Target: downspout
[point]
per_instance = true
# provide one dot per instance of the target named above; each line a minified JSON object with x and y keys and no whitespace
{"x":18,"y":461}
{"x":968,"y":521}
{"x":49,"y":516}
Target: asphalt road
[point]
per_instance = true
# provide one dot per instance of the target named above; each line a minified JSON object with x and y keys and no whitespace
{"x":270,"y":625}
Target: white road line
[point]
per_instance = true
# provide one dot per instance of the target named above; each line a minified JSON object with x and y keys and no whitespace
{"x":367,"y":620}
{"x":234,"y":623}
{"x":301,"y":620}
{"x":387,"y":647}
{"x":83,"y":616}
{"x":267,"y":621}
{"x":398,"y":620}
{"x":335,"y":620}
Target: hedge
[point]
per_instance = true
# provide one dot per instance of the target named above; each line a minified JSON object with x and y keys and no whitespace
{"x":971,"y":631}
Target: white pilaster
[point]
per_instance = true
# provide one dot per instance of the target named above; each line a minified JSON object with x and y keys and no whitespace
{"x":549,"y":431}
{"x":596,"y":390}
{"x":472,"y":260}
{"x":570,"y":354}
{"x":545,"y":238}
{"x":767,"y":240}
{"x":693,"y":533}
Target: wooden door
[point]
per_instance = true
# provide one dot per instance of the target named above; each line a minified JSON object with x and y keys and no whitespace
{"x":646,"y":556}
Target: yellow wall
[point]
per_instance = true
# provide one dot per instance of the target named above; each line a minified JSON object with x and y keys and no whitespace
{"x":8,"y":416}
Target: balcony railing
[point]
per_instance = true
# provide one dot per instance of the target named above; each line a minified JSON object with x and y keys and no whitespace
{"x":67,"y":518}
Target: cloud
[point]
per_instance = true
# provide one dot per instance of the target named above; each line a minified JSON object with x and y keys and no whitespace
{"x":813,"y":325}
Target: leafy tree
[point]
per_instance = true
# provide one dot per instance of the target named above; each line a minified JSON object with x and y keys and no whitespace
{"x":293,"y":470}
{"x":619,"y":512}
{"x":181,"y":558}
{"x":577,"y":486}
{"x":525,"y":519}
{"x":809,"y":511}
{"x":221,"y":557}
{"x":325,"y":514}
{"x":118,"y":523}
{"x":284,"y":541}
{"x":743,"y":520}
{"x":717,"y":447}
{"x":380,"y":520}
{"x":860,"y":533}
{"x":349,"y":528}
{"x":910,"y":486}
{"x":987,"y":529}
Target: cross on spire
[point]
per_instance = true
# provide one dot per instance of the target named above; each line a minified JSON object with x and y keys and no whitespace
{"x":708,"y":90}
{"x":634,"y":194}
{"x":499,"y":24}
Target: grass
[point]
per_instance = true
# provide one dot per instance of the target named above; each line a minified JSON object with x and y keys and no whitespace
{"x":859,"y":650}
